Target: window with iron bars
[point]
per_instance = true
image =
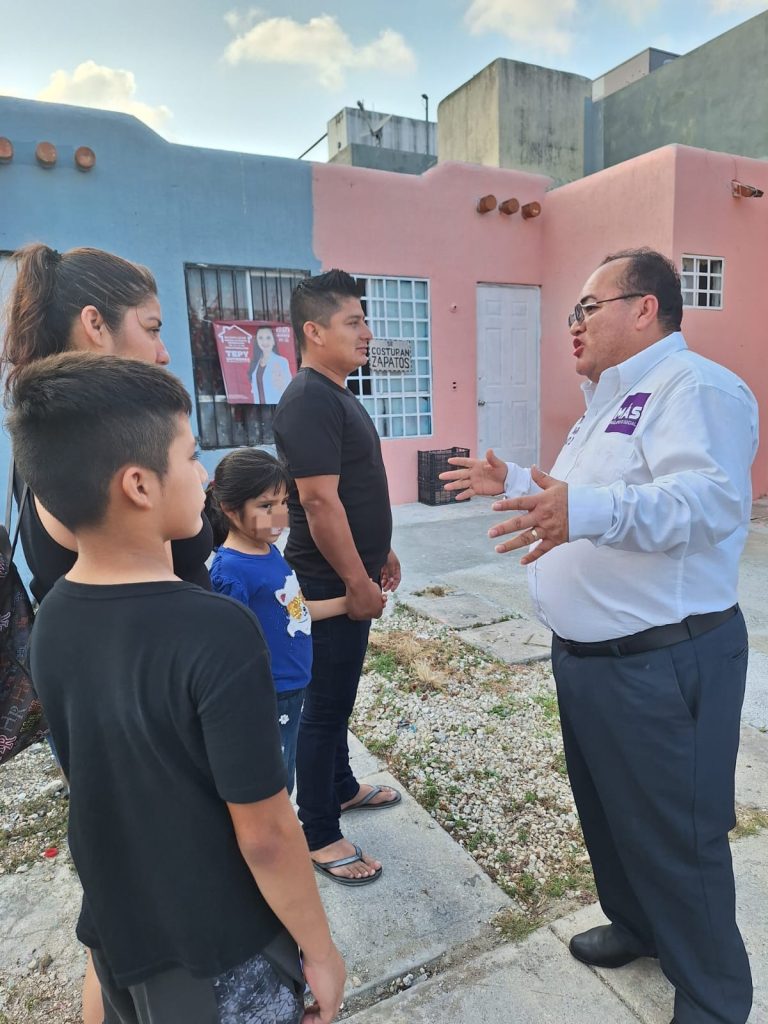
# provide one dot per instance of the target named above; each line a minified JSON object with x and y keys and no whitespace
{"x":231,"y":293}
{"x":399,"y":404}
{"x":701,"y":280}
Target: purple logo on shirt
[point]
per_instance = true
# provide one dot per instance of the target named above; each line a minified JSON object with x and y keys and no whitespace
{"x":628,"y":416}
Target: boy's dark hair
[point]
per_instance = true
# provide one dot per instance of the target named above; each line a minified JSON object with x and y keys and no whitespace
{"x":650,"y":273}
{"x":77,"y":418}
{"x":318,"y":298}
{"x":52,"y":288}
{"x":242,"y":474}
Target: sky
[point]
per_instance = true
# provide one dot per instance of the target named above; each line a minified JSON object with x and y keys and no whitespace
{"x":267,"y":78}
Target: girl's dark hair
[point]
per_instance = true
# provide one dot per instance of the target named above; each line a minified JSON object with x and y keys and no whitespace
{"x":50,"y":291}
{"x":242,"y":474}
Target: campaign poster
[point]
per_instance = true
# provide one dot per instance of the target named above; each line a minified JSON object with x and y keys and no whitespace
{"x":258,"y":359}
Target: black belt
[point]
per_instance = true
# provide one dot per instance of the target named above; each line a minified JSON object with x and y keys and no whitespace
{"x":650,"y":639}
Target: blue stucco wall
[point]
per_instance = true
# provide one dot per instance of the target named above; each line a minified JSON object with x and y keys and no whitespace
{"x":149,"y":200}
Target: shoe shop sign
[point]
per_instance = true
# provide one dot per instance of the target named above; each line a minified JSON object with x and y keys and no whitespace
{"x":387,"y":355}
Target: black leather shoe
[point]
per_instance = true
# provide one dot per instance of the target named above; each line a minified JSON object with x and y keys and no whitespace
{"x":603,"y":947}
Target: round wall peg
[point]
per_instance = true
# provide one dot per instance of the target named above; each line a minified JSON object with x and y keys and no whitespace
{"x":46,"y":154}
{"x":531,"y":210}
{"x":486,"y":204}
{"x":85,"y":158}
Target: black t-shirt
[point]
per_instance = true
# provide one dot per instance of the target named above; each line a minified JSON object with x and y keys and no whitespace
{"x":48,"y":560}
{"x":321,"y":429}
{"x":162,"y":707}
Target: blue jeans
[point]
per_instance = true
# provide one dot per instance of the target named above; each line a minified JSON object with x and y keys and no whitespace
{"x":324,"y":778}
{"x":288,"y":715}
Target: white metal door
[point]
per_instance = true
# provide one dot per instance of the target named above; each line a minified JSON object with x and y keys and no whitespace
{"x":508,"y":372}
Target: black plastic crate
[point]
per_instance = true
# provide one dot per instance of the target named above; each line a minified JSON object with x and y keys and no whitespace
{"x":431,"y":465}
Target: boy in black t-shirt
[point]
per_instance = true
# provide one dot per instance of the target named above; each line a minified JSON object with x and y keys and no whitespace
{"x":197,"y":883}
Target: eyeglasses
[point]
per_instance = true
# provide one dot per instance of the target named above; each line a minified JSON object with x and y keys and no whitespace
{"x":580,"y":313}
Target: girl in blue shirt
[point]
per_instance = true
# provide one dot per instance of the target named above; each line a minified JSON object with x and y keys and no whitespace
{"x":247,"y":503}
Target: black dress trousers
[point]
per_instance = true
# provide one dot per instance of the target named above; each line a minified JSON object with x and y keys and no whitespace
{"x":650,"y":743}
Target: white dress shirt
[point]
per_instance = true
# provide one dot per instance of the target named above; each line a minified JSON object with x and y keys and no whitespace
{"x":659,"y":497}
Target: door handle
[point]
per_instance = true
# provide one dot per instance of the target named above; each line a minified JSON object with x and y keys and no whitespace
{"x":481,"y":401}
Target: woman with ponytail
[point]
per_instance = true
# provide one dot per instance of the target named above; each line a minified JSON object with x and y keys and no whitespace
{"x":96,"y":301}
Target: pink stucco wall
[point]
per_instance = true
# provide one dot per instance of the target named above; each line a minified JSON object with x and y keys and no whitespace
{"x":708,"y":221}
{"x":677,"y":200}
{"x":372,"y":222}
{"x":624,"y":206}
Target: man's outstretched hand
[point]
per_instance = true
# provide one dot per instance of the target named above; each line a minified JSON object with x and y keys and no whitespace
{"x":475,"y":476}
{"x":543,"y":522}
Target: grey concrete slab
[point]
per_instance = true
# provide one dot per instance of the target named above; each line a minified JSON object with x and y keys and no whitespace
{"x":752,"y":768}
{"x":750,"y":862}
{"x":39,"y":910}
{"x":752,"y":576}
{"x":503,"y":580}
{"x":643,"y":987}
{"x":432,"y":897}
{"x":755,"y":709}
{"x":534,"y":982}
{"x":361,"y":760}
{"x":517,"y":641}
{"x":431,"y":542}
{"x":457,"y":608}
{"x":639,"y":985}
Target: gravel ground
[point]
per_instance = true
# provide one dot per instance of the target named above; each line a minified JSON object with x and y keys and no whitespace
{"x":33,"y":809}
{"x":477,"y":742}
{"x":33,"y":822}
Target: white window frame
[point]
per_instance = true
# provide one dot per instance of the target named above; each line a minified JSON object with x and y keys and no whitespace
{"x":400,"y":405}
{"x":699,"y":271}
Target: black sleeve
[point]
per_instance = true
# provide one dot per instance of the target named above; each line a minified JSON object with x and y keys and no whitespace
{"x":189,"y":556}
{"x":236,"y":706}
{"x":309,"y":432}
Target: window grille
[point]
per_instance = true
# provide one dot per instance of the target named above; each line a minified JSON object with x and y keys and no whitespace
{"x":702,"y":282}
{"x":400,"y":405}
{"x":231,"y":293}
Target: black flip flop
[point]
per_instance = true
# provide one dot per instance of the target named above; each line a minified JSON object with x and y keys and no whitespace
{"x":325,"y":869}
{"x":366,"y":805}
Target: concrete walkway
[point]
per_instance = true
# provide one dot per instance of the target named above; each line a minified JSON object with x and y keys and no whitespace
{"x":431,"y":912}
{"x":452,"y":574}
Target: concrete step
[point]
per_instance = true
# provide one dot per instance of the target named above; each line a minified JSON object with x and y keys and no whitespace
{"x":533,"y":982}
{"x":432,"y":897}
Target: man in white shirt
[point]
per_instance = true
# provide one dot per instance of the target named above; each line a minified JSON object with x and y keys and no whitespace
{"x":636,"y":537}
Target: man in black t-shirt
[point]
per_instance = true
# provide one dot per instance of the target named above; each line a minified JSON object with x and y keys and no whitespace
{"x":197,"y":885}
{"x":341,"y":531}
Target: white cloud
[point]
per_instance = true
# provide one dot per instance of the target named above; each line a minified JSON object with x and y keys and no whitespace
{"x":239,"y":21}
{"x":726,"y":6}
{"x":321,"y":44}
{"x":637,"y":11}
{"x":543,"y":24}
{"x":94,"y":85}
